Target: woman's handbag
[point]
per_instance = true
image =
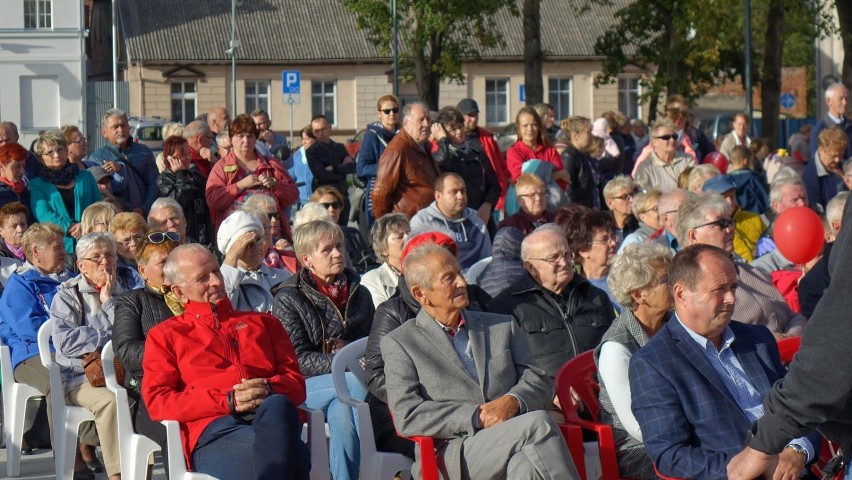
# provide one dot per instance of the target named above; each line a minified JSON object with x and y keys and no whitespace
{"x":94,"y":368}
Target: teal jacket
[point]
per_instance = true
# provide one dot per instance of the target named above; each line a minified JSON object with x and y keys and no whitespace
{"x":47,"y":206}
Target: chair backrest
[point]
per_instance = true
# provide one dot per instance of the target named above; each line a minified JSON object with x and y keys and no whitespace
{"x":788,"y":347}
{"x":579,"y":373}
{"x":125,"y":423}
{"x":44,"y":335}
{"x":475,"y":270}
{"x":347,"y":359}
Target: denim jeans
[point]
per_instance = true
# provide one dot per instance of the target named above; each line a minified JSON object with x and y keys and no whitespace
{"x":343,"y":451}
{"x":268,"y":447}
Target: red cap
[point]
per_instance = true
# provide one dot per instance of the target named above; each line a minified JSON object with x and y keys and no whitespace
{"x":437,"y":238}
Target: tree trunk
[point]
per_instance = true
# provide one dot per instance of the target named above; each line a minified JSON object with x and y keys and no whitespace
{"x":770,"y":83}
{"x":427,"y":82}
{"x":844,"y":16}
{"x":533,"y":56}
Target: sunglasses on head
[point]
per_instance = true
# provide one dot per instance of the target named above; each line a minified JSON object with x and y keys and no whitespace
{"x":327,"y":205}
{"x":160,"y":237}
{"x":388,"y":111}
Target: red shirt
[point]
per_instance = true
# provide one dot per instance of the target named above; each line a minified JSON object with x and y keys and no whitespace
{"x":519,"y":153}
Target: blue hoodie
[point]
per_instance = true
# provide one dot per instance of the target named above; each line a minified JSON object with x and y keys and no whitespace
{"x":373,"y":144}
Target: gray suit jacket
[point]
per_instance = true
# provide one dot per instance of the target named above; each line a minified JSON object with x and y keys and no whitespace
{"x":430,"y":393}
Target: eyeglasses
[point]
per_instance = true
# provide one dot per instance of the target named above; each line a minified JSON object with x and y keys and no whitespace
{"x":82,"y":141}
{"x":388,"y":111}
{"x":626,"y":196}
{"x":453,"y":128}
{"x":666,"y":138}
{"x":55,"y":151}
{"x":100,"y":258}
{"x":722,"y":223}
{"x":275,"y":216}
{"x":654,"y":209}
{"x":605,"y":240}
{"x":533,"y":194}
{"x":335,"y":205}
{"x":556,"y":257}
{"x":160,"y":237}
{"x":131,"y":239}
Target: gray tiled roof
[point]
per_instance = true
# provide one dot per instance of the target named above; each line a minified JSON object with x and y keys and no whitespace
{"x":316,"y":30}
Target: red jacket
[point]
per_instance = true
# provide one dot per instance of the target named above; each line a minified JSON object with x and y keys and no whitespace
{"x":193,"y":360}
{"x":519,"y":153}
{"x":222,"y":193}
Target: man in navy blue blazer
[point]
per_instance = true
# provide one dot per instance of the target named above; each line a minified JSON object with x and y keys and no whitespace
{"x":701,"y":380}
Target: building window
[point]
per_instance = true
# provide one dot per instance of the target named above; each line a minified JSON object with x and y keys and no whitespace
{"x":257,"y":95}
{"x":37,"y":14}
{"x":496,"y":101}
{"x":629,"y":91}
{"x":39,"y":102}
{"x":324,"y":99}
{"x":183,"y":102}
{"x":559,"y":95}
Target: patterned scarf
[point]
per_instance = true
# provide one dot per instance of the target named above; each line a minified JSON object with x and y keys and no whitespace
{"x":171,"y":299}
{"x":336,"y":291}
{"x":60,"y":176}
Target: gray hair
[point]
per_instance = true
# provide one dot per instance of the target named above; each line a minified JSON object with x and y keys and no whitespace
{"x":417,"y":271}
{"x":834,"y":210}
{"x":692,"y":213}
{"x":620,"y":182}
{"x":259,"y":111}
{"x":672,"y":199}
{"x":256,"y":212}
{"x":50,"y":138}
{"x":173,"y":129}
{"x":196,"y":128}
{"x":384,"y":226}
{"x":834,"y":88}
{"x":635,"y":268}
{"x":642,"y":201}
{"x":162,"y":203}
{"x":526,"y":244}
{"x":700,"y":174}
{"x":112,"y":112}
{"x":261,"y":201}
{"x":171,"y":270}
{"x":222,"y":137}
{"x":663,"y":123}
{"x":311,"y":212}
{"x":306,"y":237}
{"x":90,"y":240}
{"x":406,"y":110}
{"x":39,"y":235}
{"x":781,"y":181}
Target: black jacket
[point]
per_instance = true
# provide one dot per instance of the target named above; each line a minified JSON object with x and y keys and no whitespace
{"x":584,"y":187}
{"x":556,"y":335}
{"x":322,"y":155}
{"x":392,"y":313}
{"x":187,"y":187}
{"x":474,"y":167}
{"x":311,"y":318}
{"x":814,"y":284}
{"x":136,"y":312}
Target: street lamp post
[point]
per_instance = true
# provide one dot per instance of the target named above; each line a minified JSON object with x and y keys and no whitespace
{"x":395,"y":51}
{"x":747,"y":69}
{"x":232,"y":50}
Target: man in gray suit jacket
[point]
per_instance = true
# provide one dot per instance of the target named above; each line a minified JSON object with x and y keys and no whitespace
{"x":468,"y":380}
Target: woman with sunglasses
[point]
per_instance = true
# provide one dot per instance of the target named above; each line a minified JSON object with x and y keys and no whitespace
{"x":136,"y":313}
{"x":376,"y":138}
{"x":182,"y":181}
{"x":63,"y":190}
{"x":358,"y":255}
{"x":660,"y":164}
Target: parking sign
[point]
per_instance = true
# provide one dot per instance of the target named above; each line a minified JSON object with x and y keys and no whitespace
{"x":292,"y":81}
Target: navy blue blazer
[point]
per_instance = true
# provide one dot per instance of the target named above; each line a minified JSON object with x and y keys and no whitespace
{"x":691,"y":424}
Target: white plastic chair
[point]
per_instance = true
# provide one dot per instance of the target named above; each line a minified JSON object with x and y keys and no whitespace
{"x":15,"y":396}
{"x":177,"y":462}
{"x":135,"y":449}
{"x":315,"y":434}
{"x":66,"y":418}
{"x":374,"y":464}
{"x":475,"y":270}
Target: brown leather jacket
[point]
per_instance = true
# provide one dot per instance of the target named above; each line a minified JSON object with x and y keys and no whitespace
{"x":405,"y":179}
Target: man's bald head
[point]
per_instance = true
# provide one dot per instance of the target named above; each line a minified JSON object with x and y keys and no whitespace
{"x":218,"y":119}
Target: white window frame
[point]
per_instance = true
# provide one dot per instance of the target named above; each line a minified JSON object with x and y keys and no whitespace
{"x":625,"y":89}
{"x":557,"y":105}
{"x":493,"y":97}
{"x":323,"y":96}
{"x":183,"y":96}
{"x":253,"y":101}
{"x":41,"y":18}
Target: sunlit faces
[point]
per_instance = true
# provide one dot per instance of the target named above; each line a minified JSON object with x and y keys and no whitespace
{"x":388,"y":114}
{"x":717,"y":230}
{"x":417,"y":123}
{"x":707,"y":308}
{"x":243,"y":144}
{"x":98,"y":263}
{"x":168,"y":219}
{"x":13,"y":171}
{"x":528,"y":129}
{"x":327,"y":260}
{"x":532,"y":200}
{"x":12,"y":230}
{"x":321,"y":129}
{"x":791,"y":196}
{"x":55,"y":156}
{"x":116,"y":130}
{"x":452,"y":198}
{"x":202,"y":280}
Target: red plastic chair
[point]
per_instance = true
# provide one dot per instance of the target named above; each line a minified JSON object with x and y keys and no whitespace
{"x":579,"y":373}
{"x":788,"y":347}
{"x":428,"y":460}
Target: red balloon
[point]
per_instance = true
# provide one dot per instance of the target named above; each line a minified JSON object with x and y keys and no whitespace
{"x":718,"y":159}
{"x":799,"y":234}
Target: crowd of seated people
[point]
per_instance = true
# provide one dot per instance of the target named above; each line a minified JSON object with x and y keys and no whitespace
{"x":227,"y":289}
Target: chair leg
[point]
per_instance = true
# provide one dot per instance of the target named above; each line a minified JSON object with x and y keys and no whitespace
{"x":14,"y":420}
{"x":66,"y":452}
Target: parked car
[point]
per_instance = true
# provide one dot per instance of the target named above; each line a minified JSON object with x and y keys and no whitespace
{"x":148,"y":131}
{"x":353,"y":145}
{"x":507,"y":137}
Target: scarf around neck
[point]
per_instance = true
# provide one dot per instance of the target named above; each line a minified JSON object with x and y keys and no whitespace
{"x":60,"y":176}
{"x":17,"y":187}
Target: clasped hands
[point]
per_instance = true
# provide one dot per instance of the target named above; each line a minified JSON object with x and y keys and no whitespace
{"x":250,"y":393}
{"x":498,"y":411}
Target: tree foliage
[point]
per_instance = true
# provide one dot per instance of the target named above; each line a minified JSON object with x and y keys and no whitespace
{"x":435,"y":36}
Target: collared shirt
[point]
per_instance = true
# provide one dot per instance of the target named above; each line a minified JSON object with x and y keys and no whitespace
{"x":759,"y":303}
{"x":747,"y":392}
{"x":461,"y":343}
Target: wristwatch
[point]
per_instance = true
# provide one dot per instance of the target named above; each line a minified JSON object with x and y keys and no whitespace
{"x":798,"y":449}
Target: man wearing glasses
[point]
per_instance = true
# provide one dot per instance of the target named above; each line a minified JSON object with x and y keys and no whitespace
{"x":562,"y":314}
{"x":660,"y":167}
{"x":708,"y":219}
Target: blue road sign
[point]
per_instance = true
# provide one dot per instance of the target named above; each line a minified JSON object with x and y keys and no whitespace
{"x":788,"y":100}
{"x":292,"y":81}
{"x":522,"y":93}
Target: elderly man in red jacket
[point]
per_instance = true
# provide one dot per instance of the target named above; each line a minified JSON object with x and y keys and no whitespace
{"x":230,"y":378}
